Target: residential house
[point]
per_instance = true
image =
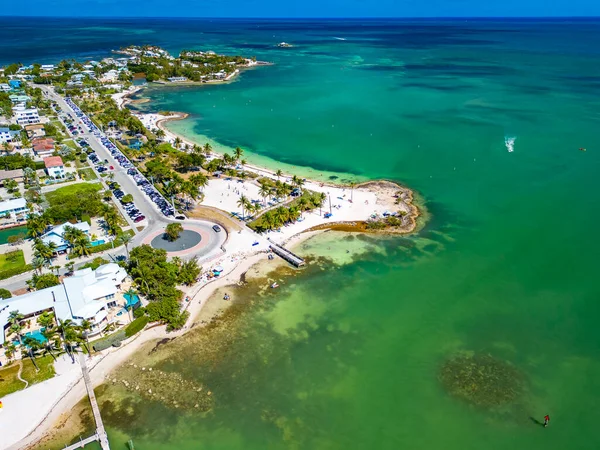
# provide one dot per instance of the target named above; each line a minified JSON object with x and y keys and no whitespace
{"x":47,"y":67}
{"x":110,"y":77}
{"x":87,"y":295}
{"x":8,"y":135}
{"x":55,"y":166}
{"x":43,"y":147}
{"x":26,"y":116}
{"x":5,"y":87}
{"x":56,"y":234}
{"x":14,"y":208}
{"x":16,"y":174}
{"x":35,"y":131}
{"x":177,"y":79}
{"x":15,"y":84}
{"x":19,"y":98}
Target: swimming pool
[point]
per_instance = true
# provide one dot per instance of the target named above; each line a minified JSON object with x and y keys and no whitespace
{"x":97,"y":243}
{"x":131,"y":301}
{"x":37,"y":335}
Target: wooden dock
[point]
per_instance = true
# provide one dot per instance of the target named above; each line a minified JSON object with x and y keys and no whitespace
{"x":100,"y":434}
{"x":284,"y":253}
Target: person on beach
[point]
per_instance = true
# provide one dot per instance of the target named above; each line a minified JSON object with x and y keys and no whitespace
{"x":546,"y":420}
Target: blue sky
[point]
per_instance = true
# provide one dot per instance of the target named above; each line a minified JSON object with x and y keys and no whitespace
{"x":304,"y":8}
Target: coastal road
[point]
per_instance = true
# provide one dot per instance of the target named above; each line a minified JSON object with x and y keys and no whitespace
{"x":155,"y":220}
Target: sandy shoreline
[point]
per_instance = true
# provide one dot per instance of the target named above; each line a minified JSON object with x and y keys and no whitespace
{"x":101,"y":365}
{"x":351,"y":205}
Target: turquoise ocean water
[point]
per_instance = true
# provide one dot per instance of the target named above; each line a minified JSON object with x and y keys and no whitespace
{"x":348,"y":356}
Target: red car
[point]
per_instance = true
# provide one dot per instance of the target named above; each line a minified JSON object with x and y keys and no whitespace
{"x":139,"y":219}
{"x":111,"y":168}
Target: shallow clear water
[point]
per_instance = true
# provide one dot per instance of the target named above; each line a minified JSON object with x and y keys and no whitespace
{"x":347,"y":356}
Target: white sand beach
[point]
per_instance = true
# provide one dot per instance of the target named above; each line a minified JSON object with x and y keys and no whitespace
{"x":28,"y":415}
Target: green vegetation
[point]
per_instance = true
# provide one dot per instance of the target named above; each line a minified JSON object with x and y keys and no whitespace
{"x":95,"y":263}
{"x":128,"y":198}
{"x":45,"y":366}
{"x":16,"y":161}
{"x":12,"y":272}
{"x":87,"y":174}
{"x":136,"y":326}
{"x":5,"y":293}
{"x":12,"y":260}
{"x":156,"y":278}
{"x":9,"y":382}
{"x":482,"y":380}
{"x":43,"y":281}
{"x":281,"y":215}
{"x":173,"y":231}
{"x":109,"y":341}
{"x":72,"y":202}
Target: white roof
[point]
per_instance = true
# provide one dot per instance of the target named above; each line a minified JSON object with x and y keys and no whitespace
{"x":76,"y":297}
{"x":55,"y":234}
{"x":15,"y":203}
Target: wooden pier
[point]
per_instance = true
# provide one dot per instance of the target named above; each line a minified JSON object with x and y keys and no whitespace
{"x":284,"y":253}
{"x":100,"y":435}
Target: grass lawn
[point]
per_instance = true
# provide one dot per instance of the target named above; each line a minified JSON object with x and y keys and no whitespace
{"x":87,"y":173}
{"x":46,"y":365}
{"x":12,"y":260}
{"x":9,"y":382}
{"x":71,"y":143}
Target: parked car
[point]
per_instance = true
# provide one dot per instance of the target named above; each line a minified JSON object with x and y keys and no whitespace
{"x":217,"y":228}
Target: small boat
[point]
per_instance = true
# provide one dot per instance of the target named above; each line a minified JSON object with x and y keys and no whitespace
{"x":581,"y":149}
{"x":274,"y":285}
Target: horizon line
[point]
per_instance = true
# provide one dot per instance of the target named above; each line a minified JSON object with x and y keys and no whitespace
{"x":307,"y":18}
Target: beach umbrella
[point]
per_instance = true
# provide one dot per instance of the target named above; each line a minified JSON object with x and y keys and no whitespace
{"x":218,"y":269}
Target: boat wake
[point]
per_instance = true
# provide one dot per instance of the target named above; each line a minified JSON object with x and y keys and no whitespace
{"x":340,"y":39}
{"x":509,"y":142}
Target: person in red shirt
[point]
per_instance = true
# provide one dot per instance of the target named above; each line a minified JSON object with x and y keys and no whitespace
{"x":546,"y":420}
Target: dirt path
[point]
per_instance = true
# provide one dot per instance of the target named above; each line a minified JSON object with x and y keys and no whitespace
{"x":19,"y":374}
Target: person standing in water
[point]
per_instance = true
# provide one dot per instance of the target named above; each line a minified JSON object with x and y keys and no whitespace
{"x":546,"y":420}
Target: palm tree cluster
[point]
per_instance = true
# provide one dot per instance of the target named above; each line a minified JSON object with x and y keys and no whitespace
{"x":282,"y":215}
{"x":77,"y":240}
{"x":65,"y":334}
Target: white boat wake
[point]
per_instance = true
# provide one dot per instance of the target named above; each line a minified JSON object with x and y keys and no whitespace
{"x":340,"y":39}
{"x":509,"y":142}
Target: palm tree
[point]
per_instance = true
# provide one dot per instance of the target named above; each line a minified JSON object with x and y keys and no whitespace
{"x":264,"y":192}
{"x":281,"y":215}
{"x":46,"y":320}
{"x":352,"y":186}
{"x":84,"y":328}
{"x":125,"y":239}
{"x":72,"y":234}
{"x":243,"y":203}
{"x":69,"y":336}
{"x":131,"y":293}
{"x":38,"y":264}
{"x":81,"y":247}
{"x":321,"y":197}
{"x":36,"y":225}
{"x":14,"y":318}
{"x":294,"y":213}
{"x":177,"y":142}
{"x":51,"y":344}
{"x":302,"y":204}
{"x":160,"y":133}
{"x":207,"y":149}
{"x":278,"y":174}
{"x":33,"y":345}
{"x":10,"y":350}
{"x":237,"y":153}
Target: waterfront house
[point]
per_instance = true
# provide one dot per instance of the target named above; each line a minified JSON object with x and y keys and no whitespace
{"x":177,"y":79}
{"x":5,"y":87}
{"x":26,"y":116}
{"x":55,"y":167}
{"x":43,"y":147}
{"x":35,"y":131}
{"x":55,"y":235}
{"x":14,"y":208}
{"x":92,"y":295}
{"x":15,"y":84}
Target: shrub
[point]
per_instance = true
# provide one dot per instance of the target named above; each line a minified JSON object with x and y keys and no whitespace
{"x":5,"y":293}
{"x":109,"y":341}
{"x":136,"y":326}
{"x":86,"y":218}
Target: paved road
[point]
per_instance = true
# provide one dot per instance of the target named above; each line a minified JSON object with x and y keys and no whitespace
{"x":154,"y":219}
